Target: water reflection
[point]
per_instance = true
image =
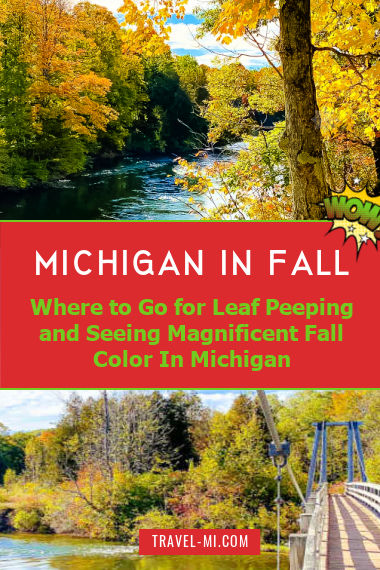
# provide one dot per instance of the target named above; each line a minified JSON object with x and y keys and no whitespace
{"x":133,"y":189}
{"x":61,"y":553}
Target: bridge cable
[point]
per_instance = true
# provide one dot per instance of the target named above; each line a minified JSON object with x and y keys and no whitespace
{"x":361,"y":464}
{"x":276,"y":438}
{"x":279,"y":502}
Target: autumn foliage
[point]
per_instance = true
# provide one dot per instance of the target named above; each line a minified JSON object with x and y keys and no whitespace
{"x":115,"y":464}
{"x":77,"y":83}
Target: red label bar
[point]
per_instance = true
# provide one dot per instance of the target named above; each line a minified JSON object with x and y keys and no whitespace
{"x":329,"y":349}
{"x":199,"y":542}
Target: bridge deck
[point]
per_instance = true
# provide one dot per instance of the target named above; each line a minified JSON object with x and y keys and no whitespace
{"x":354,"y":535}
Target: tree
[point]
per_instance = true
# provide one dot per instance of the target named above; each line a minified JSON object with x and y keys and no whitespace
{"x":302,"y":140}
{"x":346,"y":63}
{"x":52,"y":103}
{"x":12,"y":456}
{"x":111,"y":59}
{"x":344,"y":60}
{"x":227,"y":111}
{"x":167,"y":121}
{"x":16,"y":132}
{"x":192,"y":78}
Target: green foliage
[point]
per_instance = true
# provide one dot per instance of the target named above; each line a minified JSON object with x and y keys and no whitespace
{"x":11,"y":455}
{"x":192,"y":78}
{"x":16,"y":133}
{"x":266,"y":520}
{"x":110,"y":60}
{"x":27,"y":521}
{"x":167,"y":121}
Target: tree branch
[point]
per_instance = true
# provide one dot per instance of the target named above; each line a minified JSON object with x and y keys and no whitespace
{"x":350,"y":57}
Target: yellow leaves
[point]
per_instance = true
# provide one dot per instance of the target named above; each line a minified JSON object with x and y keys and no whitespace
{"x":268,"y":96}
{"x":370,"y":132}
{"x":144,"y":34}
{"x":146,"y":24}
{"x":227,"y":40}
{"x":58,"y":55}
{"x":238,"y":15}
{"x":228,"y":110}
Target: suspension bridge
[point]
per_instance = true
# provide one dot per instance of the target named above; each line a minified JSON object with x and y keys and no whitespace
{"x":336,"y":531}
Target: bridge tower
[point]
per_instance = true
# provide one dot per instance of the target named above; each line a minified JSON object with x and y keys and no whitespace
{"x":320,"y":441}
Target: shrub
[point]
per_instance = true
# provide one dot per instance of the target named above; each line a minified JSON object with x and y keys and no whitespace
{"x":28,"y":521}
{"x":154,"y":519}
{"x":10,"y":477}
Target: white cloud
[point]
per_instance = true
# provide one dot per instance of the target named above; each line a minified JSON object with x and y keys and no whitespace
{"x":34,"y":409}
{"x":220,"y":401}
{"x":114,"y":5}
{"x":209,"y":59}
{"x":192,"y":4}
{"x":23,"y":410}
{"x":183,"y":37}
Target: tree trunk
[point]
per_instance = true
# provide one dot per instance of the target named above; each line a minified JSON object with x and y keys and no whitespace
{"x":376,"y":156}
{"x":107,"y":431}
{"x":302,"y":141}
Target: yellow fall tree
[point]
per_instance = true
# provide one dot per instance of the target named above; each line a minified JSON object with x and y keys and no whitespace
{"x":346,"y":62}
{"x":336,"y":44}
{"x":63,"y":84}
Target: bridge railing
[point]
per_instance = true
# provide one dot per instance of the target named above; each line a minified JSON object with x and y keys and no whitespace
{"x":366,"y":493}
{"x":307,"y":548}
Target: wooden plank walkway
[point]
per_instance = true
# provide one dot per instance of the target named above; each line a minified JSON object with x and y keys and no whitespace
{"x":353,"y":537}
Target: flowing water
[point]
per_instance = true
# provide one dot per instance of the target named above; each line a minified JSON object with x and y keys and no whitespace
{"x":18,"y":551}
{"x":132,"y":189}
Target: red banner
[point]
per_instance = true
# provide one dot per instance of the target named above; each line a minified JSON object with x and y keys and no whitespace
{"x":187,"y":305}
{"x":199,"y":542}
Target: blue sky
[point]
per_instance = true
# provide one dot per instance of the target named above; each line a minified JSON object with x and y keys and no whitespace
{"x":41,"y":409}
{"x":183,"y":41}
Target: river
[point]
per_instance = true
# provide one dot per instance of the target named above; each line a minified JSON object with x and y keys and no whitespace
{"x":18,"y":551}
{"x":131,"y":189}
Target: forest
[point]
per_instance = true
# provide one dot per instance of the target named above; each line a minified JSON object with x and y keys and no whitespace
{"x":78,"y":83}
{"x":119,"y":463}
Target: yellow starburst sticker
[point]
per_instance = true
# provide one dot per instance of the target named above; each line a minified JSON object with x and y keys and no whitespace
{"x":357,"y":213}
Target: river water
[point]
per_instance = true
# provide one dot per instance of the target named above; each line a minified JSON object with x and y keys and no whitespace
{"x":44,"y":552}
{"x":132,"y":189}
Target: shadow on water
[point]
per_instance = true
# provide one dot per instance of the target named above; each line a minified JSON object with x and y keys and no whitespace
{"x":61,"y":553}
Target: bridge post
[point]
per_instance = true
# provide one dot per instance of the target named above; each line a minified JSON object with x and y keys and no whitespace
{"x":359,"y":448}
{"x":323,"y":477}
{"x":297,"y":546}
{"x":313,"y":463}
{"x":350,"y":453}
{"x":305,"y":519}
